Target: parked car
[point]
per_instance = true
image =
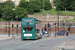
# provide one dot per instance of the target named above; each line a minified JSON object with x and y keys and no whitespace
{"x":44,"y":32}
{"x":62,"y":33}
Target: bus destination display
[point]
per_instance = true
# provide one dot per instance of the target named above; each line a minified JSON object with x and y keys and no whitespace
{"x":28,"y":20}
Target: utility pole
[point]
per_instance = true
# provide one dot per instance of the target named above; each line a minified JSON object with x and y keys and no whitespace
{"x":43,"y":4}
{"x":17,"y":26}
{"x":9,"y":19}
{"x":58,"y":15}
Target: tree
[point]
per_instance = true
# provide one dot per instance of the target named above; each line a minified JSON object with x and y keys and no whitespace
{"x":65,"y":4}
{"x":1,"y":8}
{"x":8,"y":13}
{"x":33,"y":7}
{"x":47,"y":5}
{"x":11,"y":3}
{"x":23,"y":4}
{"x":3,"y":5}
{"x":39,"y":2}
{"x":21,"y":13}
{"x":30,"y":8}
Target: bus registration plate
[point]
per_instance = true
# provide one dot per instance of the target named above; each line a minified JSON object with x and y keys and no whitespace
{"x":26,"y":35}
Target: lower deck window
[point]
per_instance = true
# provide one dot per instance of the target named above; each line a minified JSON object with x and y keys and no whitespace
{"x":37,"y":30}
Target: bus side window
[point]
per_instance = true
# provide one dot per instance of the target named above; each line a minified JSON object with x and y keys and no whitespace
{"x":37,"y":30}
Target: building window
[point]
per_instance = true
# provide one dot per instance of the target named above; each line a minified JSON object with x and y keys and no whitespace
{"x":16,"y":3}
{"x":4,"y":0}
{"x":17,"y":0}
{"x":13,"y":0}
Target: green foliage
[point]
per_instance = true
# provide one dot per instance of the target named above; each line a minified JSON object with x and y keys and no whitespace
{"x":69,"y":20}
{"x":21,"y":13}
{"x":10,"y":3}
{"x":47,"y":5}
{"x":23,"y":4}
{"x":2,"y":6}
{"x":8,"y":13}
{"x":65,"y":4}
{"x":54,"y":12}
{"x":33,"y":6}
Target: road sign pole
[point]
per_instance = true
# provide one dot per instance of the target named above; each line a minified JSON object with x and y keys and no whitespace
{"x":12,"y":30}
{"x":50,"y":30}
{"x":17,"y":29}
{"x":55,"y":29}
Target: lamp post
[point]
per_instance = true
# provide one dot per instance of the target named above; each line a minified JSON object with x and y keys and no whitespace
{"x":70,"y":28}
{"x":47,"y":17}
{"x":55,"y":28}
{"x":58,"y":15}
{"x":17,"y":26}
{"x":2,"y":21}
{"x":43,"y":4}
{"x":9,"y":19}
{"x":64,"y":28}
{"x":6,"y":22}
{"x":6,"y":25}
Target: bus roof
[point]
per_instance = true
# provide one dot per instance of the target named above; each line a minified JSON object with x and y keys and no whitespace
{"x":28,"y":17}
{"x":31,"y":18}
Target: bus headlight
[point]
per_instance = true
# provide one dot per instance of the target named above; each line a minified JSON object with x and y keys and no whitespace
{"x":23,"y":31}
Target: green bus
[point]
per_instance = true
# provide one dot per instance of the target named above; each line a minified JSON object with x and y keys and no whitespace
{"x":31,"y":28}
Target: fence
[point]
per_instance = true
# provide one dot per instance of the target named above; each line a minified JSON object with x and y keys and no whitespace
{"x":4,"y":26}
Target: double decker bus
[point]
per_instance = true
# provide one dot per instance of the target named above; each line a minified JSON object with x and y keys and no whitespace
{"x":31,"y":28}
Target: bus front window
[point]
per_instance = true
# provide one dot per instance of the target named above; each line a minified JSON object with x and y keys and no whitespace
{"x":27,"y":28}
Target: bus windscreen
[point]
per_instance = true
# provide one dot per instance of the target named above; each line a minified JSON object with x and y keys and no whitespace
{"x":27,"y":28}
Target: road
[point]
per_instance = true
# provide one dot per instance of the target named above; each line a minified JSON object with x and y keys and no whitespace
{"x":40,"y":44}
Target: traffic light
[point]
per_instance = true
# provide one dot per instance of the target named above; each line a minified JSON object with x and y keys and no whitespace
{"x":55,"y":23}
{"x":49,"y":25}
{"x":45,"y":27}
{"x":68,"y":29}
{"x":17,"y":26}
{"x":12,"y":25}
{"x":63,"y":23}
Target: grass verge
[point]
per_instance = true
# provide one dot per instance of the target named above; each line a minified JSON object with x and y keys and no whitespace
{"x":54,"y":12}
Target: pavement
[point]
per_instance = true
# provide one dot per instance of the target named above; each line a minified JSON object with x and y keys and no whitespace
{"x":6,"y":37}
{"x":69,"y":45}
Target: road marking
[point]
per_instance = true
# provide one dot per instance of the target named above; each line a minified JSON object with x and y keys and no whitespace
{"x":19,"y":42}
{"x":60,"y":46}
{"x":28,"y":44}
{"x":35,"y":41}
{"x":20,"y":46}
{"x":48,"y":38}
{"x":64,"y":43}
{"x":15,"y":43}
